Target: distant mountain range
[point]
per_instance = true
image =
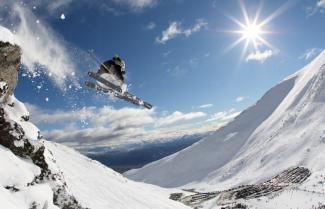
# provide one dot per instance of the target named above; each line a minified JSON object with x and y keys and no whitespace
{"x":124,"y":158}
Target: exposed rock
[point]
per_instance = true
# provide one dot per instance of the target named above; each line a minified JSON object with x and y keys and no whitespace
{"x":287,"y":178}
{"x":320,"y":206}
{"x":9,"y":66}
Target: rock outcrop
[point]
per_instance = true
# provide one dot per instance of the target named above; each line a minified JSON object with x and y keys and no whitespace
{"x":9,"y":67}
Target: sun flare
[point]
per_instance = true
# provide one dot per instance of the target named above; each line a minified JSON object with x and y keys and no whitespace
{"x":252,"y":29}
{"x":252,"y":32}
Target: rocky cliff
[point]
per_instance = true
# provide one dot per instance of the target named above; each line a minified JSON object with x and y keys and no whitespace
{"x":9,"y":67}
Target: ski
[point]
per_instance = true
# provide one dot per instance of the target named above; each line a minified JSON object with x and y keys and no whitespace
{"x":105,"y":82}
{"x":116,"y":91}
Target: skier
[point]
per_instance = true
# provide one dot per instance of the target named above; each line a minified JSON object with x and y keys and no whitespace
{"x":110,"y":80}
{"x":115,"y":66}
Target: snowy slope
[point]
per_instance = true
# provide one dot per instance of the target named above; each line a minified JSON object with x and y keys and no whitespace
{"x":285,"y":128}
{"x":99,"y":187}
{"x":94,"y":185}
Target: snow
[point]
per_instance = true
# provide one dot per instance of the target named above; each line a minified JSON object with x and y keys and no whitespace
{"x":97,"y":186}
{"x":14,"y":170}
{"x":9,"y":201}
{"x":6,"y":35}
{"x":285,"y":128}
{"x":3,"y":89}
{"x":16,"y":112}
{"x":42,"y":193}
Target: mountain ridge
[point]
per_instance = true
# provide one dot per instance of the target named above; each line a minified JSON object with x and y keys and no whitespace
{"x":252,"y":141}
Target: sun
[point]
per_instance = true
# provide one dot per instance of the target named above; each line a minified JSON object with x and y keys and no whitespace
{"x":252,"y":30}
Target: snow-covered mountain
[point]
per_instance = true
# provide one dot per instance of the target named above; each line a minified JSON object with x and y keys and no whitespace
{"x":37,"y":174}
{"x":284,"y":129}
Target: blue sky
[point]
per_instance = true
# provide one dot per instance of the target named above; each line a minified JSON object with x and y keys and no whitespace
{"x":177,"y":57}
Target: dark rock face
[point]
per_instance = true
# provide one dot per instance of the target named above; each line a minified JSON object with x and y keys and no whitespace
{"x":13,"y":137}
{"x":9,"y":66}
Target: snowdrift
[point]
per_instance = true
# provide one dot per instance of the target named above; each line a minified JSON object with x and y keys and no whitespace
{"x":285,"y":128}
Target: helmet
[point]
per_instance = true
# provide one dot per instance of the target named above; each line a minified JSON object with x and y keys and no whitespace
{"x":116,"y":56}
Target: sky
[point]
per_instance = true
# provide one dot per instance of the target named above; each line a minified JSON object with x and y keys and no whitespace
{"x":187,"y":58}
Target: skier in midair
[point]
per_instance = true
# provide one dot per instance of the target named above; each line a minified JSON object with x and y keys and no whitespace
{"x":110,"y":80}
{"x":114,"y":66}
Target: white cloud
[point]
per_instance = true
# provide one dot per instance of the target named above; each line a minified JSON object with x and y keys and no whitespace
{"x":151,"y":25}
{"x":95,"y":116}
{"x":206,"y":106}
{"x":116,"y":7}
{"x":179,"y":117}
{"x":224,"y":117}
{"x":320,"y":4}
{"x":310,"y":53}
{"x":111,"y":117}
{"x":137,"y":5}
{"x":260,"y":56}
{"x":177,"y":71}
{"x":318,"y":7}
{"x":58,"y":4}
{"x":240,"y":98}
{"x":171,"y":32}
{"x":41,"y":46}
{"x":105,"y":126}
{"x":200,"y":23}
{"x":175,"y":29}
{"x":165,"y":54}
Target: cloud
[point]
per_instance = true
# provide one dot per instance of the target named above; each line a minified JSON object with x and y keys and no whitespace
{"x":196,"y":28}
{"x":151,"y":26}
{"x":320,"y":4}
{"x":110,"y":117}
{"x":206,"y":106}
{"x":94,"y":116}
{"x":260,"y":56}
{"x":99,"y":136}
{"x":116,"y":7}
{"x":177,"y":71}
{"x":240,"y":98}
{"x":224,"y":117}
{"x":107,"y":126}
{"x":165,"y":54}
{"x":171,"y":32}
{"x":137,"y":5}
{"x":179,"y":117}
{"x":58,"y":4}
{"x":175,"y":29}
{"x":310,"y":53}
{"x":318,"y":7}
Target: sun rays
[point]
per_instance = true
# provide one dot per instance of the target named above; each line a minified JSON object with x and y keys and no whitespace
{"x":252,"y":29}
